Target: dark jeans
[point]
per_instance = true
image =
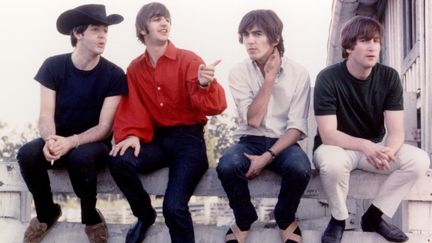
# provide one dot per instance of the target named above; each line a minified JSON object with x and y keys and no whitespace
{"x":183,"y":150}
{"x":292,"y":164}
{"x":81,"y":163}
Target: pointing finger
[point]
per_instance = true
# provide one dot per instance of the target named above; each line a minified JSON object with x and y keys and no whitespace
{"x":214,"y":64}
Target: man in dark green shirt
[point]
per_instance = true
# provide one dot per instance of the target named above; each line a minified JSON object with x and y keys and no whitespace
{"x":355,"y":101}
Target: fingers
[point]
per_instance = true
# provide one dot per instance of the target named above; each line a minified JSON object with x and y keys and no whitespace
{"x":201,"y":67}
{"x":114,"y":151}
{"x":48,"y":155}
{"x":209,"y":68}
{"x":120,"y":148}
{"x":378,"y":163}
{"x":206,"y":73}
{"x":389,"y":153}
{"x":215,"y":63}
{"x":137,"y":150}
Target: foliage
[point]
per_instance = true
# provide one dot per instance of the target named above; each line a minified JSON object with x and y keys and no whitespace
{"x":12,"y":139}
{"x":219,"y":136}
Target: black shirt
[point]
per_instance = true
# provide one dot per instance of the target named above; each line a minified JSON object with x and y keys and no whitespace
{"x":359,"y":105}
{"x":79,"y":94}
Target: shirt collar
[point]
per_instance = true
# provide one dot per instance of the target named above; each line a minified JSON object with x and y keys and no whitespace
{"x":170,"y":53}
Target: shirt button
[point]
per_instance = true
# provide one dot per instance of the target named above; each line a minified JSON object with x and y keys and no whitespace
{"x":161,"y":104}
{"x":158,"y":88}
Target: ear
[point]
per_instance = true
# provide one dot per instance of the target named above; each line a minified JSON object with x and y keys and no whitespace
{"x":143,"y":32}
{"x":348,"y":51}
{"x":277,"y":42}
{"x":78,"y":36}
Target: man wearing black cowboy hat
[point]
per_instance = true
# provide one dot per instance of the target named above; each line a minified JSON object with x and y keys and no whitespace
{"x":80,"y":92}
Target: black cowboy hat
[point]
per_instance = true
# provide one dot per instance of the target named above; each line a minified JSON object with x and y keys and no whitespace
{"x":84,"y":15}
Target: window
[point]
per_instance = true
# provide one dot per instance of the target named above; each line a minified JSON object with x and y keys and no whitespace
{"x":409,"y":25}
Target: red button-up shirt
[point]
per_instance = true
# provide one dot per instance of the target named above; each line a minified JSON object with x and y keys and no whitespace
{"x":166,"y":95}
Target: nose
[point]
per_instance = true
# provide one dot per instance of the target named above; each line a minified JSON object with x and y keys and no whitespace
{"x":248,"y":39}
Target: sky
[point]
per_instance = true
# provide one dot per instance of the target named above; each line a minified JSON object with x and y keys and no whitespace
{"x":206,"y":27}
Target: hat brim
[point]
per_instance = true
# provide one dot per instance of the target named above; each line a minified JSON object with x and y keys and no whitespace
{"x":72,"y":18}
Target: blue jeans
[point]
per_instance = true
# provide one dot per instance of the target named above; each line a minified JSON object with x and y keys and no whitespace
{"x":82,"y":164}
{"x":292,"y":164}
{"x":183,"y":150}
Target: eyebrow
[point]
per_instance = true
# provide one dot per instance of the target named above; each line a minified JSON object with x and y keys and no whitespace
{"x":253,"y":31}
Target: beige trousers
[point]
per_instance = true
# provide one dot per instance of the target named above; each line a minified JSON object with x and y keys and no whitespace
{"x":336,"y":163}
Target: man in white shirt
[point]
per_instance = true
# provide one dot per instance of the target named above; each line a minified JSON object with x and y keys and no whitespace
{"x":272,"y":94}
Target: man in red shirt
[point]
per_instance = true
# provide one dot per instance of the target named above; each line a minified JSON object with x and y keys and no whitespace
{"x":160,"y":124}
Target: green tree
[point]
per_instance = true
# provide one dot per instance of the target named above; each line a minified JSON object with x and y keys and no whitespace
{"x":219,"y":136}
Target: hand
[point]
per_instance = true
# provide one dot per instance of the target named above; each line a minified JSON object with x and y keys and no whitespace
{"x":378,"y":155}
{"x":120,"y":148}
{"x":206,"y":73}
{"x":61,"y":145}
{"x":272,"y":66}
{"x":49,"y":156}
{"x":389,"y":152}
{"x":258,"y":163}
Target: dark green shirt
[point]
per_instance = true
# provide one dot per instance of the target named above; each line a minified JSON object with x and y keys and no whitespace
{"x":359,"y":105}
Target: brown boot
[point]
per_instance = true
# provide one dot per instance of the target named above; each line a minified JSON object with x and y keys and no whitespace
{"x":97,"y":233}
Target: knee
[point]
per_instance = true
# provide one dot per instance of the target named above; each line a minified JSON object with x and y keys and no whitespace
{"x":420,"y":163}
{"x":120,"y":162}
{"x":299,"y":168}
{"x":334,"y":170}
{"x":28,"y":154}
{"x":331,"y":160}
{"x":230,"y":165}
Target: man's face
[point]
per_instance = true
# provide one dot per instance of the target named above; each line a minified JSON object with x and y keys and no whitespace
{"x":257,"y":44}
{"x":158,"y":30}
{"x":365,"y":52}
{"x":93,"y":39}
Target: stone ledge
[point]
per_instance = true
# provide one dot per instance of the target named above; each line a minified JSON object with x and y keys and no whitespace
{"x":363,"y":185}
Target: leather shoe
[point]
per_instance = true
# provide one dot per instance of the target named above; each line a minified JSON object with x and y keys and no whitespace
{"x":333,"y":233}
{"x":388,"y":231}
{"x":137,"y":232}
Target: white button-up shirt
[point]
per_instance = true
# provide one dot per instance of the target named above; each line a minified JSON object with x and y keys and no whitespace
{"x":288,"y":105}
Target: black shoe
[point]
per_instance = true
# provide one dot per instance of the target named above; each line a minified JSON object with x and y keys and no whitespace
{"x":137,"y":232}
{"x":388,"y":231}
{"x":333,"y":233}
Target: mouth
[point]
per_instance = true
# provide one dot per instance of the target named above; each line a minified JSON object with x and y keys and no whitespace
{"x":163,"y":31}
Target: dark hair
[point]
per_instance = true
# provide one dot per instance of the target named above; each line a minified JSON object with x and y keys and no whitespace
{"x":268,"y":21}
{"x":79,"y":30}
{"x":145,"y":14}
{"x":359,"y":27}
